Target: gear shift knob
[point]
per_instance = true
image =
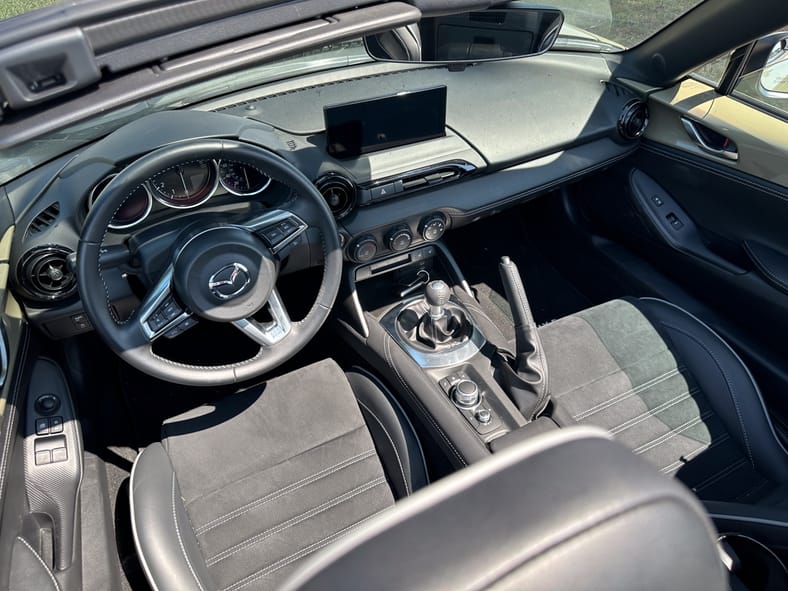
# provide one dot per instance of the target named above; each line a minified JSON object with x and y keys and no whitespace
{"x":437,"y":295}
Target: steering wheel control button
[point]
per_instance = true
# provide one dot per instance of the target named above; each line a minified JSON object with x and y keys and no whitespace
{"x":42,"y":426}
{"x":186,"y":324}
{"x":47,"y":404}
{"x":364,"y":249}
{"x":466,"y":394}
{"x":433,"y":227}
{"x":399,"y":239}
{"x":483,"y":415}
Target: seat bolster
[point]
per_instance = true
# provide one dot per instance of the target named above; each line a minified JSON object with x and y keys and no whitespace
{"x":727,"y":383}
{"x":394,"y":436}
{"x":566,"y":510}
{"x":165,"y":540}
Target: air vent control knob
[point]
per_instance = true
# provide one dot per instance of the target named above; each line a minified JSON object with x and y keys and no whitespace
{"x":399,"y":238}
{"x":364,"y":249}
{"x":432,"y":227}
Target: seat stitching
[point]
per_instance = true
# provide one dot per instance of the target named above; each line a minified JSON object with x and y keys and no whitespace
{"x":424,"y":411}
{"x":267,"y":468}
{"x":180,"y":540}
{"x":271,"y":568}
{"x":728,"y":383}
{"x":41,"y":562}
{"x":338,"y":500}
{"x":749,"y":492}
{"x":394,"y":447}
{"x":688,"y":456}
{"x":672,"y":433}
{"x":273,"y":495}
{"x":714,"y":478}
{"x":624,"y":395}
{"x":653,"y":412}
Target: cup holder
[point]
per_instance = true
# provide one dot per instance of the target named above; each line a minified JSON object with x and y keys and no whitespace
{"x":752,"y":566}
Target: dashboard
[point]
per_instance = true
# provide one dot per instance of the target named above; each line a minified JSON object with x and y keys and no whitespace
{"x":513,"y":130}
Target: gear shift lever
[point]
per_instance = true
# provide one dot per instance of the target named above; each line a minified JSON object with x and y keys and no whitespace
{"x":525,"y":375}
{"x":437,"y":294}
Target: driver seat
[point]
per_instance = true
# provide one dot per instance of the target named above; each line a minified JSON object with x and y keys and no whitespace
{"x":236,"y":495}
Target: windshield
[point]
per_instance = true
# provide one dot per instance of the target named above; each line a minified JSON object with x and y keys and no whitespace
{"x":625,"y":23}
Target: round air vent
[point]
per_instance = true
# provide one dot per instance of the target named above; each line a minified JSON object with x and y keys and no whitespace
{"x":633,"y":119}
{"x":45,"y":275}
{"x":339,"y":192}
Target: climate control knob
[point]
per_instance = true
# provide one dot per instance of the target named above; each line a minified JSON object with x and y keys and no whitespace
{"x":364,"y":249}
{"x":433,"y":227}
{"x":399,"y":238}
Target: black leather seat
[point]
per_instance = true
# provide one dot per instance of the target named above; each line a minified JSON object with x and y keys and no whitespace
{"x":237,"y":494}
{"x":667,"y":386}
{"x":246,"y":495}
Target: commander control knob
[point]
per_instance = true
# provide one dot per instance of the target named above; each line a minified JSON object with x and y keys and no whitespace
{"x":364,"y":249}
{"x":466,"y":394}
{"x":433,"y":227}
{"x":399,"y":238}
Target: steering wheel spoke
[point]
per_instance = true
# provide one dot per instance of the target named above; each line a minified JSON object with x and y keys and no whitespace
{"x":270,"y":333}
{"x":160,"y":313}
{"x":278,"y":228}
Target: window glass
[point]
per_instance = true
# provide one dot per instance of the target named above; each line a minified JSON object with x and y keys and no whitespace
{"x":767,"y":88}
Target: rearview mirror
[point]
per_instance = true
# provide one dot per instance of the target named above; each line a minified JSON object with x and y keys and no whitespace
{"x":507,"y":32}
{"x":773,"y":82}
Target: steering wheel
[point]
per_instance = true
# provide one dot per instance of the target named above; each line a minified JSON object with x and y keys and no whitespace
{"x":218,"y":271}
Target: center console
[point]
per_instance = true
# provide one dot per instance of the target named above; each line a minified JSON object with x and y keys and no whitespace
{"x":413,"y":316}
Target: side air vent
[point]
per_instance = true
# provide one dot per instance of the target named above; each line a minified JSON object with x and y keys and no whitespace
{"x":633,"y":119}
{"x":44,"y":219}
{"x":339,"y":192}
{"x":45,"y":274}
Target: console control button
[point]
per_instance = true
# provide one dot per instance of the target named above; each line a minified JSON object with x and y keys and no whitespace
{"x":433,"y":227}
{"x":466,"y":394}
{"x":399,"y":239}
{"x":364,"y":249}
{"x":483,"y":415}
{"x":56,"y":425}
{"x":42,"y":426}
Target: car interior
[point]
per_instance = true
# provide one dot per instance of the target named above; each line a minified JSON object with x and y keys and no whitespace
{"x":391,"y":295}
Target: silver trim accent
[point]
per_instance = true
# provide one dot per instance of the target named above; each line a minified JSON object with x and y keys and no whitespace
{"x":4,"y":358}
{"x":93,"y":196}
{"x":690,"y":128}
{"x":270,"y":333}
{"x":459,"y":354}
{"x":239,"y":194}
{"x":272,"y":217}
{"x":161,"y":198}
{"x":156,"y":296}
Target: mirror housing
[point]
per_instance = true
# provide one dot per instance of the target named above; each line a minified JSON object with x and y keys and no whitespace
{"x":509,"y":31}
{"x":773,"y":82}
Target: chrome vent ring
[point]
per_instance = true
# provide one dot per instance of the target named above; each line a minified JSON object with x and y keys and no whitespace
{"x":339,"y":193}
{"x":633,"y":119}
{"x":45,"y":274}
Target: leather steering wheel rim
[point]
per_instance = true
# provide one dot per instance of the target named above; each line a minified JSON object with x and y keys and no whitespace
{"x":127,"y":339}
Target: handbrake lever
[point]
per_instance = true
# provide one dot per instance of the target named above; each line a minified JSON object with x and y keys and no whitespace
{"x":525,"y":376}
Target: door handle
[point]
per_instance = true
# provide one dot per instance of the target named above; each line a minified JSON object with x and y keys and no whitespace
{"x":710,"y":141}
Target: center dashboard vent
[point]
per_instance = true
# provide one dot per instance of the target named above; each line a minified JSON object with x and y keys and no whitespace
{"x":45,"y":274}
{"x":339,"y":192}
{"x":633,"y":119}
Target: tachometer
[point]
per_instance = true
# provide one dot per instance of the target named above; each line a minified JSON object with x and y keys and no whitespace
{"x":135,"y":209}
{"x":241,"y":179}
{"x":186,"y":185}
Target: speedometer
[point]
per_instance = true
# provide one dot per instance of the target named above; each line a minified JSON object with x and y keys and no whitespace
{"x":242,"y":179}
{"x":186,"y":185}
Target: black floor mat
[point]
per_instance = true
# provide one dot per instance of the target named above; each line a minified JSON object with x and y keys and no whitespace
{"x":479,"y":247}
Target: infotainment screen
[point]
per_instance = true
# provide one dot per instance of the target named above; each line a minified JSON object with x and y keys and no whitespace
{"x":376,"y":124}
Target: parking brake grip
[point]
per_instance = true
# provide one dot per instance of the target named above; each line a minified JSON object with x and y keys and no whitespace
{"x":524,"y":376}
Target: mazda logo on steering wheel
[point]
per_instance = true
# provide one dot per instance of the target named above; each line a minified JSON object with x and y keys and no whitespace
{"x":229,"y":281}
